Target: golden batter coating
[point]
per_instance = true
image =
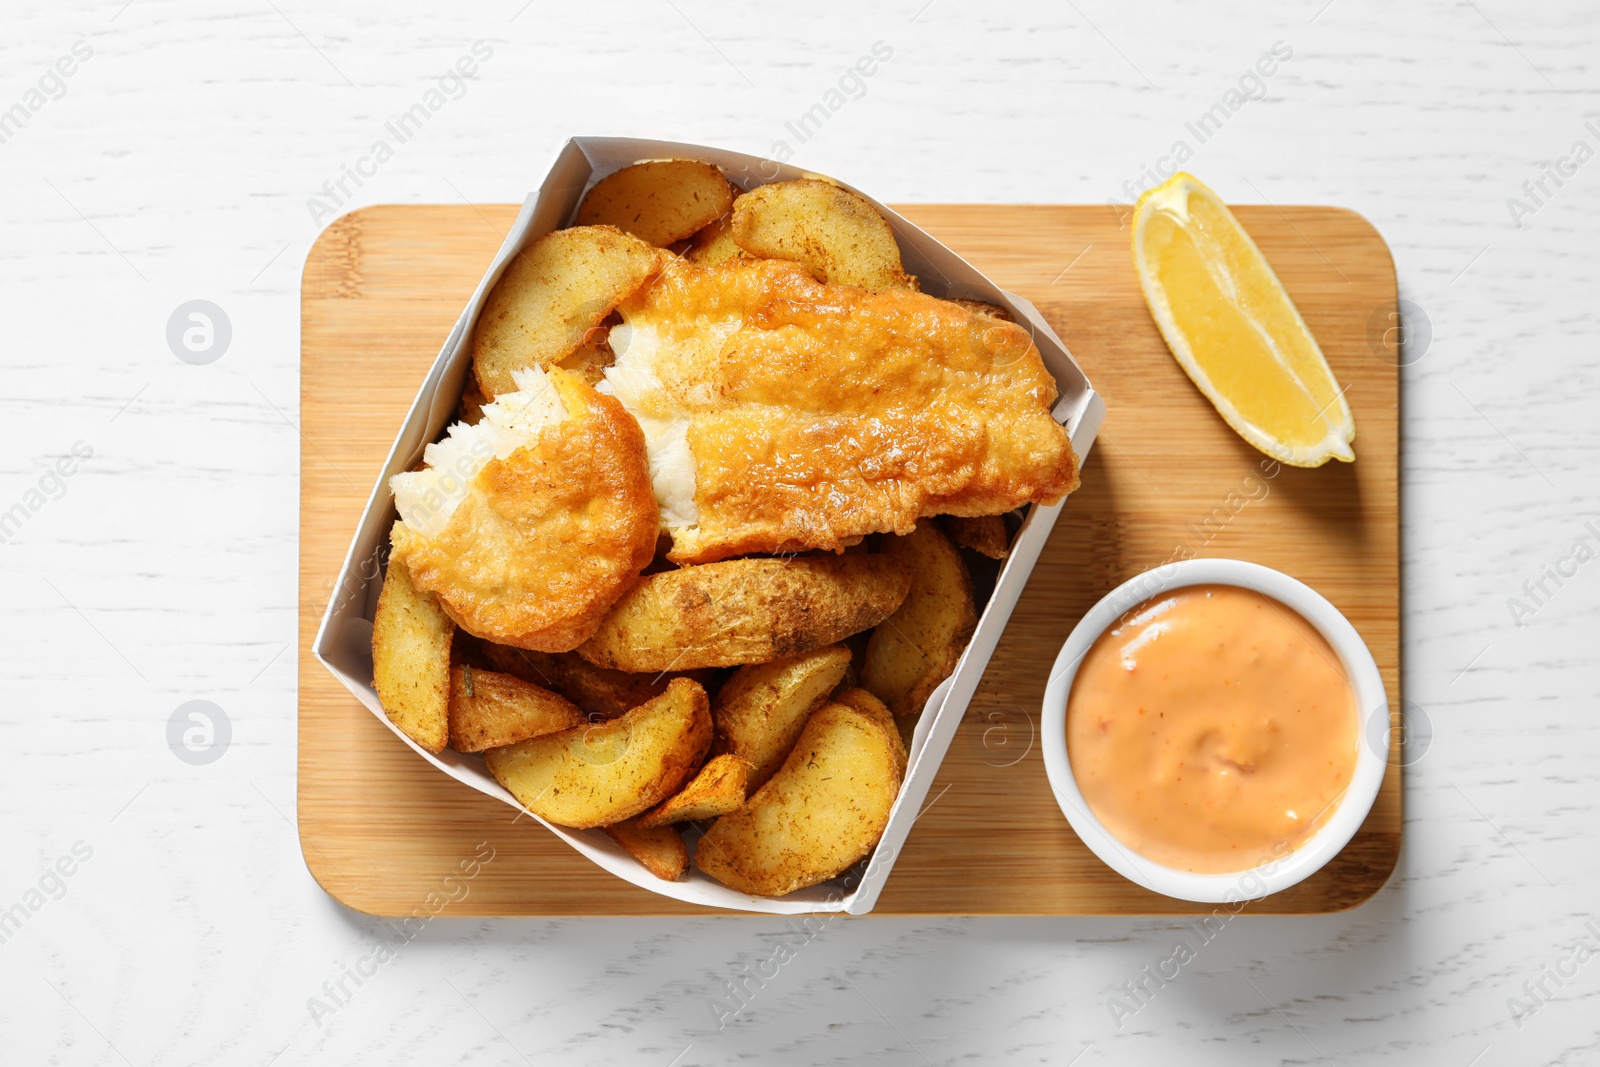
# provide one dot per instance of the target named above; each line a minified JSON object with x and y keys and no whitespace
{"x":816,"y":414}
{"x":547,"y":538}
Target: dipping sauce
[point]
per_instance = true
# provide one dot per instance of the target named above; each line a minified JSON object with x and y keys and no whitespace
{"x":1213,"y":729}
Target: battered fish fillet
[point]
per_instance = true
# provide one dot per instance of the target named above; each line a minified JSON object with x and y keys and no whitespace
{"x":784,"y":414}
{"x":531,"y":523}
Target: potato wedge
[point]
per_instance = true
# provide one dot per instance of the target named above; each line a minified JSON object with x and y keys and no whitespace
{"x":602,"y":774}
{"x":411,"y":638}
{"x":591,"y":359}
{"x":760,"y":711}
{"x":721,"y":786}
{"x":745,"y":611}
{"x":660,"y":202}
{"x":871,"y":706}
{"x":852,"y":671}
{"x":907,"y":725}
{"x":857,"y":644}
{"x":550,"y":297}
{"x":598,"y":690}
{"x":984,"y":534}
{"x":470,"y":408}
{"x":828,"y":229}
{"x":490,"y":710}
{"x":824,"y":810}
{"x":916,"y":648}
{"x":660,"y":849}
{"x":714,"y":244}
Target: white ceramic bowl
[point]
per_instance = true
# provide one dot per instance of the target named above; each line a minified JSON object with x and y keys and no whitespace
{"x":1280,"y":873}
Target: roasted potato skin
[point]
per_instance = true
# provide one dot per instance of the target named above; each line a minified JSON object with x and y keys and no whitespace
{"x":470,"y":408}
{"x":411,"y":639}
{"x":761,"y":709}
{"x":879,"y":712}
{"x":602,"y":774}
{"x":745,"y":611}
{"x":721,"y":786}
{"x":917,"y":647}
{"x":659,"y":848}
{"x":834,"y":233}
{"x":597,"y":690}
{"x":590,"y":359}
{"x":551,"y":296}
{"x":984,"y":534}
{"x":491,"y":710}
{"x":824,"y":810}
{"x":714,"y":244}
{"x":661,"y":202}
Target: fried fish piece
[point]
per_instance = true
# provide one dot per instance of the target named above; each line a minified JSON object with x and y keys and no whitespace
{"x":784,"y":414}
{"x":529,"y":525}
{"x":979,"y":307}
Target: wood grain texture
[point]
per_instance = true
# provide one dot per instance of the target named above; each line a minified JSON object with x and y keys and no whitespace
{"x":179,"y":166}
{"x":382,"y":288}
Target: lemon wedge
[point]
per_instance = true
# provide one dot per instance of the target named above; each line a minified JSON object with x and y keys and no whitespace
{"x":1234,"y":330}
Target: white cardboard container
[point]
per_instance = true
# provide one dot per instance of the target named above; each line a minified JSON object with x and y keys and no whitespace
{"x":344,"y":639}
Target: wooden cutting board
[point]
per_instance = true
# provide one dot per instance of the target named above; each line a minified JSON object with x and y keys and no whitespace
{"x":382,"y":830}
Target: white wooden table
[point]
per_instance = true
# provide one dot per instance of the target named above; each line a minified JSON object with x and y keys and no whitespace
{"x":155,"y":909}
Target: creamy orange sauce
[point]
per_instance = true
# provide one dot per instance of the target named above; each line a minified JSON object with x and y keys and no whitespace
{"x":1212,"y":729}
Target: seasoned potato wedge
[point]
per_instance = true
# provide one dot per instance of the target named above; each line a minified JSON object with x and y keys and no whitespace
{"x":916,"y":648}
{"x":760,"y":711}
{"x":745,"y":611}
{"x":602,"y":774}
{"x":823,"y":811}
{"x":870,"y":705}
{"x":411,"y":638}
{"x":714,"y":244}
{"x":660,"y":202}
{"x":598,"y":690}
{"x":857,"y":644}
{"x":660,"y":849}
{"x":591,"y":358}
{"x":550,"y":297}
{"x":470,"y":409}
{"x":828,"y":229}
{"x":720,"y":787}
{"x":489,"y":710}
{"x":984,"y":534}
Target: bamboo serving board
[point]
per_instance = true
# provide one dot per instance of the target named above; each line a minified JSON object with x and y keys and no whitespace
{"x":381,"y":830}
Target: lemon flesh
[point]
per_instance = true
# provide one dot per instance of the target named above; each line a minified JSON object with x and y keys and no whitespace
{"x":1233,"y":329}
